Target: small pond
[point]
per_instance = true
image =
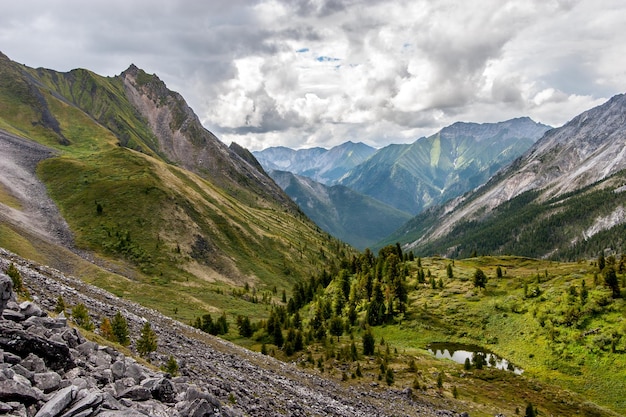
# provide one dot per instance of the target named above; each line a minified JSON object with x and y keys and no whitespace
{"x":460,"y":352}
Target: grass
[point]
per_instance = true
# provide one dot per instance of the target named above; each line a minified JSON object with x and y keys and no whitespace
{"x":568,"y":368}
{"x":503,"y":320}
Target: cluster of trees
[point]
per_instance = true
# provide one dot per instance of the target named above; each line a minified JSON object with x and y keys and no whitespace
{"x":206,"y":324}
{"x":114,"y":329}
{"x":372,"y":285}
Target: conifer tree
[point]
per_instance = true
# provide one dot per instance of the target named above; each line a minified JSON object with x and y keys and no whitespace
{"x":611,"y":281}
{"x":16,"y":278}
{"x":120,"y":329}
{"x":147,"y":341}
{"x":106,"y":330}
{"x":369,"y":343}
{"x":530,"y":411}
{"x":171,"y":367}
{"x":80,"y":315}
{"x":60,"y":306}
{"x":449,"y":271}
{"x":480,"y":279}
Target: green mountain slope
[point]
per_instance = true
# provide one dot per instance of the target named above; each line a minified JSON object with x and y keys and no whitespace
{"x":148,"y":192}
{"x":558,"y":323}
{"x":433,"y":170}
{"x":352,"y":217}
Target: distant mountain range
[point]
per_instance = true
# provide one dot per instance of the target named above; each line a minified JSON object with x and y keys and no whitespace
{"x":564,"y":198}
{"x":445,"y":165}
{"x":348,"y":215}
{"x":323,"y":165}
{"x":407,"y":178}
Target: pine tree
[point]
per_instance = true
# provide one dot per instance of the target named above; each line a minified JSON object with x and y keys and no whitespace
{"x":480,"y":279}
{"x":80,"y":315}
{"x":336,"y":326}
{"x":106,"y":330}
{"x":171,"y":367}
{"x":244,"y":325}
{"x":120,"y":329}
{"x":530,"y":411}
{"x":369,"y":343}
{"x":449,"y":271}
{"x":16,"y":278}
{"x":147,"y":341}
{"x":278,"y":335}
{"x":611,"y":281}
{"x":389,"y":377}
{"x":60,"y":306}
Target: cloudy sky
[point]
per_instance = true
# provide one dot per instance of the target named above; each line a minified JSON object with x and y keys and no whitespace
{"x":321,"y":72}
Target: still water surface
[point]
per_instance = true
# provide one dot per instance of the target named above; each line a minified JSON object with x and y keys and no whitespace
{"x":460,"y":352}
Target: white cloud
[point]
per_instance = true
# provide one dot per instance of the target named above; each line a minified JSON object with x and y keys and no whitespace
{"x":319,"y":72}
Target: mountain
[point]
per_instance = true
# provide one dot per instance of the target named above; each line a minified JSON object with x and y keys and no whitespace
{"x":351,"y":217}
{"x":563,"y":198}
{"x":120,"y":172}
{"x":322,"y":165}
{"x":445,"y":165}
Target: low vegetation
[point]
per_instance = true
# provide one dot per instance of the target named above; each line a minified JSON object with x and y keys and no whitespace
{"x":562,"y":323}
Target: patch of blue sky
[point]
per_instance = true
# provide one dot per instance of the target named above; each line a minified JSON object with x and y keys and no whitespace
{"x":326,"y":59}
{"x":302,"y":50}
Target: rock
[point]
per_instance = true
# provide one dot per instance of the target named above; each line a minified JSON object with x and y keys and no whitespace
{"x":26,"y":373}
{"x":33,"y":363}
{"x":22,"y":343}
{"x":92,"y":400}
{"x":5,"y":408}
{"x":13,"y":315}
{"x":6,"y":286}
{"x":47,"y":381}
{"x":136,"y":393}
{"x":30,"y":309}
{"x":121,"y":413}
{"x":58,"y":402}
{"x":11,"y":358}
{"x":11,"y":390}
{"x":197,"y":408}
{"x":87,"y":348}
{"x":43,"y":322}
{"x":136,"y":372}
{"x":164,"y":391}
{"x":118,"y":368}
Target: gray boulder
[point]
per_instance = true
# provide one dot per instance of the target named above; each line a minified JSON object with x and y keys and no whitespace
{"x":58,"y":402}
{"x":6,"y":286}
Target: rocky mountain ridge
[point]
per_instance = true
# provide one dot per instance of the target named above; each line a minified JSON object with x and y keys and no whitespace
{"x":326,"y":166}
{"x":217,"y":378}
{"x":586,"y":155}
{"x":124,"y":156}
{"x":442,"y":166}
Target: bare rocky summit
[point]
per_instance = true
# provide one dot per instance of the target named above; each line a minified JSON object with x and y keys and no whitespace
{"x":48,"y":369}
